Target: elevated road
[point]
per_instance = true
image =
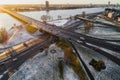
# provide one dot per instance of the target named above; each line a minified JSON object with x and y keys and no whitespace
{"x":80,"y":22}
{"x":98,"y":22}
{"x":66,"y":34}
{"x":16,"y":58}
{"x":19,"y":47}
{"x":107,"y":54}
{"x":61,"y":33}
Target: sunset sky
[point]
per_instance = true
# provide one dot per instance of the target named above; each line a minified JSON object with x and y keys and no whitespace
{"x":58,"y":1}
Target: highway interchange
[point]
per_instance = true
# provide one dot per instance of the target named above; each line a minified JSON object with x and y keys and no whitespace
{"x":70,"y":35}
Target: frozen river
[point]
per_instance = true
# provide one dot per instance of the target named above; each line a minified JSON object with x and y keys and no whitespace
{"x":38,"y":71}
{"x":7,"y":21}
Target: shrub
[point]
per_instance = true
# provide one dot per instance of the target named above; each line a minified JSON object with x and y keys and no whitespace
{"x":3,"y":35}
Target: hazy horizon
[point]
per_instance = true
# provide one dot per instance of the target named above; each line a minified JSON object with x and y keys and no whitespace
{"x":59,"y":1}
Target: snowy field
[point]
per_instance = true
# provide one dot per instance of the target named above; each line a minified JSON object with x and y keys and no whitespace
{"x":112,"y":70}
{"x":101,"y":31}
{"x":17,"y":35}
{"x":44,"y":66}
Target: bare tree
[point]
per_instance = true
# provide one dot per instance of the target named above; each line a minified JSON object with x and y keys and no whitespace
{"x":87,"y":26}
{"x":3,"y":35}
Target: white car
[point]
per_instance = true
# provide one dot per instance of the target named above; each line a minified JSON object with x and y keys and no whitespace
{"x":79,"y":41}
{"x":82,"y":38}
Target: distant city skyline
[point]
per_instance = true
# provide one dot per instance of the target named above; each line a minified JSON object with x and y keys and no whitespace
{"x":59,"y":1}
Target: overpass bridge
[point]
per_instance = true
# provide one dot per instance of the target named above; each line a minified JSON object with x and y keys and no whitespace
{"x":67,"y":34}
{"x":70,"y":35}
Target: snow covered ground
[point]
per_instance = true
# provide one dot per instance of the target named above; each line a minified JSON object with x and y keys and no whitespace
{"x":17,"y":36}
{"x":59,"y":22}
{"x":112,"y":70}
{"x":100,"y":31}
{"x":44,"y":66}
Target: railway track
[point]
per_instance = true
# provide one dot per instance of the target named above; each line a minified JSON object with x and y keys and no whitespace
{"x":102,"y":52}
{"x":96,"y":49}
{"x":85,"y":67}
{"x":87,"y":71}
{"x":80,"y":22}
{"x":17,"y":58}
{"x":95,"y":41}
{"x":89,"y":39}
